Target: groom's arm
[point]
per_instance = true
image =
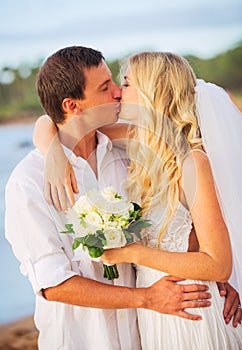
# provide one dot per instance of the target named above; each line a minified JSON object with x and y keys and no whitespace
{"x":165,"y":296}
{"x":35,"y":239}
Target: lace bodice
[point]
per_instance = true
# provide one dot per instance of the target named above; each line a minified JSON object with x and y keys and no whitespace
{"x":176,"y":238}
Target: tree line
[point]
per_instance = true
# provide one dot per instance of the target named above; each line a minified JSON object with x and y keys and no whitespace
{"x":18,"y":97}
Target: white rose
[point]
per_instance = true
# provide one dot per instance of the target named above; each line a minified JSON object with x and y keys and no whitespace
{"x":109,"y":193}
{"x":74,"y":219}
{"x":93,"y":219}
{"x":96,"y":199}
{"x":115,"y":238}
{"x":120,"y":207}
{"x":82,"y":205}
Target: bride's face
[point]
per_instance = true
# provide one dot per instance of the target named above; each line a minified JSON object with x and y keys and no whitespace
{"x":130,"y":97}
{"x":129,"y":91}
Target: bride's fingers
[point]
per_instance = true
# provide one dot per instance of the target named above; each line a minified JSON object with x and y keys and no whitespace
{"x":55,"y":198}
{"x":74,"y":182}
{"x":62,"y":197}
{"x":232,"y":310}
{"x":47,"y":193}
{"x":237,"y":317}
{"x":231,"y":304}
{"x":69,"y":192}
{"x":221,"y":288}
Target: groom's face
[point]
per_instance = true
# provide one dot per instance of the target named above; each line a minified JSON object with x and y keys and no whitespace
{"x":102,"y":97}
{"x":100,"y":88}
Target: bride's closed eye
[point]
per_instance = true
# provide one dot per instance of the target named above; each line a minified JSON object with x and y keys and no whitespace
{"x":125,"y":84}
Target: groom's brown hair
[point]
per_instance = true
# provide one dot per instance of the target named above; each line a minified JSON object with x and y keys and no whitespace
{"x":62,"y":76}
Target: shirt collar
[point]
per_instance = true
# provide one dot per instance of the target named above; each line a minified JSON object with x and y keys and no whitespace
{"x":104,"y":144}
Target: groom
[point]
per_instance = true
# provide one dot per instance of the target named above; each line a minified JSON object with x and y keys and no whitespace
{"x":76,"y":308}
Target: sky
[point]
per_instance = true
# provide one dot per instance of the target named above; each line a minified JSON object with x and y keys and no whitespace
{"x":31,"y":30}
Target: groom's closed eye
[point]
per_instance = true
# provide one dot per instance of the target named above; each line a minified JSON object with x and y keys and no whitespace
{"x":104,"y":86}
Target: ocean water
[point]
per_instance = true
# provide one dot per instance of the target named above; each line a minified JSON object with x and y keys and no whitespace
{"x":16,"y":294}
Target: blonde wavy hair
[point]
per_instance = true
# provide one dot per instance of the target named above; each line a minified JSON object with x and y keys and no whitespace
{"x":167,"y":129}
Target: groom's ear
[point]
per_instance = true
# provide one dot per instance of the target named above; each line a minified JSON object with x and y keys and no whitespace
{"x":71,"y":106}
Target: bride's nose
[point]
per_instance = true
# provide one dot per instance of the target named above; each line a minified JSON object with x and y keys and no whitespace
{"x":117,"y":92}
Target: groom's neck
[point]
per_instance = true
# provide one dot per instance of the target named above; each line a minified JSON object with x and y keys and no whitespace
{"x":78,"y":137}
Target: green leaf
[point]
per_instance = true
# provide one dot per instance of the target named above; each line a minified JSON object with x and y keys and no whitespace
{"x":137,"y":226}
{"x":95,"y":252}
{"x":76,"y":243}
{"x":136,"y":207}
{"x":69,"y":228}
{"x":91,"y":240}
{"x":100,"y":233}
{"x":128,"y":236}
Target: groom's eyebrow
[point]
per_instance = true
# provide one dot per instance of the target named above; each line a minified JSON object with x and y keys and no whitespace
{"x":104,"y":83}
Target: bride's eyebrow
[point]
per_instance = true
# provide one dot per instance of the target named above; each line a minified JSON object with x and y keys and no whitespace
{"x":127,"y":78}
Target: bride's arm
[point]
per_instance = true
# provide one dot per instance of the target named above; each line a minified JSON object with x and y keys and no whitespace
{"x":214,"y":259}
{"x":59,"y":175}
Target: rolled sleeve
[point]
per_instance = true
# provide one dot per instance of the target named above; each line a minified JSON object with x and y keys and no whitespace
{"x":49,"y":271}
{"x":34,"y":235}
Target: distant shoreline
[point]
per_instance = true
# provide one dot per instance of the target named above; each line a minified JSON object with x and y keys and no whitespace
{"x":18,"y":120}
{"x":31,"y":117}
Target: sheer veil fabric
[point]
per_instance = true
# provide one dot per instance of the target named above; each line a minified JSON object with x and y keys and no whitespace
{"x":220,"y":123}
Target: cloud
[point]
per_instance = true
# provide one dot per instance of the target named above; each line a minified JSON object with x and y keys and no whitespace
{"x":116,"y":25}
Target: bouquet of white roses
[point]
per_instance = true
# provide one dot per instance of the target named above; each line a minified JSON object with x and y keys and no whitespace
{"x":103,"y":220}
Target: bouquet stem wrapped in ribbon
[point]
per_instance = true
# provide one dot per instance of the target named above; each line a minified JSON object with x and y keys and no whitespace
{"x":103,"y":220}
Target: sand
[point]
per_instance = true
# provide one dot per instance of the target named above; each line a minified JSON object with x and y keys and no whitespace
{"x":19,"y":335}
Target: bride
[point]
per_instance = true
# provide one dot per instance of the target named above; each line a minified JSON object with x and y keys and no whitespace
{"x":174,"y":169}
{"x":173,"y":180}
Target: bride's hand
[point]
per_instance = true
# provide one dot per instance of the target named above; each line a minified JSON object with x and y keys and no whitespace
{"x":232,"y":307}
{"x":125,"y":254}
{"x":60,"y":180}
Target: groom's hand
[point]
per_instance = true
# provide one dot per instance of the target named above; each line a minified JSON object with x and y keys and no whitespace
{"x":168,"y":297}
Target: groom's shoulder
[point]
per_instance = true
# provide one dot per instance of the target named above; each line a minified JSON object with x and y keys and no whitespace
{"x":30,"y":168}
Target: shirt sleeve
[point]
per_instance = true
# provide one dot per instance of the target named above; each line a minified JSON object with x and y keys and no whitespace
{"x":33,"y":235}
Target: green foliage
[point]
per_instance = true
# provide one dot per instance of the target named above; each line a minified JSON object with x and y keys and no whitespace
{"x":137,"y":226}
{"x":18,"y":96}
{"x":69,"y":229}
{"x":114,"y":67}
{"x":224,"y":70}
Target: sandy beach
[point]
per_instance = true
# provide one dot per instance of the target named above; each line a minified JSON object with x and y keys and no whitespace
{"x":19,"y":335}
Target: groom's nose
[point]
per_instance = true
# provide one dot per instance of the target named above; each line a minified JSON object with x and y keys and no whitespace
{"x":116,"y":93}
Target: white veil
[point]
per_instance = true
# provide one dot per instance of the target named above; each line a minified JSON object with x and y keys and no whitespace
{"x":220,"y":123}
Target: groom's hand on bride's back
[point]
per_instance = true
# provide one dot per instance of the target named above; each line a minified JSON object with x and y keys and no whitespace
{"x":168,"y":297}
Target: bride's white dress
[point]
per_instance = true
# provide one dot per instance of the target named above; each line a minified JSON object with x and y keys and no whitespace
{"x":168,"y":332}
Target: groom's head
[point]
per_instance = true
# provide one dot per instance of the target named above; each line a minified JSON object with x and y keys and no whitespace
{"x":73,"y":80}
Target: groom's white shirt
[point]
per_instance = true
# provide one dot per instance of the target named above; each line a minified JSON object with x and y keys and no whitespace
{"x":33,"y":229}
